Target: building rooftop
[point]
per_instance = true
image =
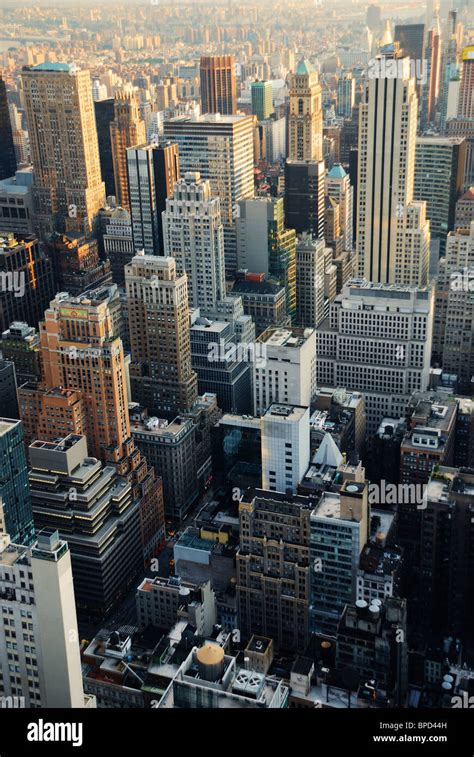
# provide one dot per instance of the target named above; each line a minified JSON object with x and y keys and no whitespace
{"x":6,"y":424}
{"x":304,"y":67}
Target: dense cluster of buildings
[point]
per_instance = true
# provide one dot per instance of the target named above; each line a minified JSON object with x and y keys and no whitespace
{"x":237,"y":360}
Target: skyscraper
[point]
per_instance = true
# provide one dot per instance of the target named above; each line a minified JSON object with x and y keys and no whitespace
{"x":142,"y":198}
{"x":466,"y":92}
{"x":285,"y":447}
{"x":68,"y":190}
{"x":304,"y":196}
{"x":392,"y":231}
{"x":104,"y":115}
{"x":166,"y":173}
{"x":118,"y":244}
{"x":262,"y":99}
{"x":37,"y":595}
{"x":84,"y":391}
{"x":455,"y":307}
{"x":431,"y":76}
{"x":313,"y":263}
{"x":265,"y":246}
{"x":26,"y":277}
{"x":340,"y":528}
{"x":305,"y":119}
{"x":127,"y":129}
{"x":273,"y":567}
{"x":14,"y":488}
{"x":76,"y":495}
{"x":193,"y":235}
{"x":338,"y":187}
{"x":288,"y":374}
{"x":161,"y":375}
{"x":345,"y":94}
{"x":377,"y":340}
{"x":218,"y":84}
{"x":221,"y":149}
{"x":7,"y":147}
{"x":439,"y":180}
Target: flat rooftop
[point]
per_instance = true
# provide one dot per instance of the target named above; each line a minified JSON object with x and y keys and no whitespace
{"x":6,"y":424}
{"x":329,"y":506}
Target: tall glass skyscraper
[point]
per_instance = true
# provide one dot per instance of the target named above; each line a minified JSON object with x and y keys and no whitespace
{"x":14,"y":486}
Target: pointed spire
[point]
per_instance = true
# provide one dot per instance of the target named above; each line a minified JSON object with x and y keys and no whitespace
{"x":387,"y":37}
{"x":328,"y":453}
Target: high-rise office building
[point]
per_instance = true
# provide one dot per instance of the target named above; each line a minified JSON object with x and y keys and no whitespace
{"x":166,"y":173}
{"x":142,"y":198}
{"x":8,"y":389}
{"x":411,"y":38}
{"x":264,"y":245}
{"x":431,"y":74}
{"x":218,"y":84}
{"x":316,"y":280}
{"x":20,"y":346}
{"x":392,"y":230}
{"x":16,"y":202}
{"x":455,"y":307}
{"x":76,"y":263}
{"x":7,"y":147}
{"x":161,"y":375}
{"x":466,"y":91}
{"x":221,"y":149}
{"x":369,"y":645}
{"x":118,"y":244}
{"x":68,"y":189}
{"x":37,"y":599}
{"x":439,"y":181}
{"x":222,"y":363}
{"x":444,"y":566}
{"x":262,"y":99}
{"x":127,"y":129}
{"x":304,"y":168}
{"x":305,"y":118}
{"x":273,"y":567}
{"x":26,"y":277}
{"x":14,"y":488}
{"x":93,"y":507}
{"x":338,"y":187}
{"x":340,"y":528}
{"x":304,"y":196}
{"x":193,"y":235}
{"x":288,"y":374}
{"x":464,"y":210}
{"x":104,"y":115}
{"x":285,"y":447}
{"x":345,"y":94}
{"x":79,"y":343}
{"x":377,"y":340}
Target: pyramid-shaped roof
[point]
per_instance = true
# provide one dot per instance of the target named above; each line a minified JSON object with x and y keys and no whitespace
{"x":304,"y":67}
{"x":328,"y":453}
{"x":337,"y":172}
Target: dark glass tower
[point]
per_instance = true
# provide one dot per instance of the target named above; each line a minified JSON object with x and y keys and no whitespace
{"x":7,"y":148}
{"x":104,"y":114}
{"x":14,"y":485}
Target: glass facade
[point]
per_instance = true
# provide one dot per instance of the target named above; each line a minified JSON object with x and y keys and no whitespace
{"x":14,"y":486}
